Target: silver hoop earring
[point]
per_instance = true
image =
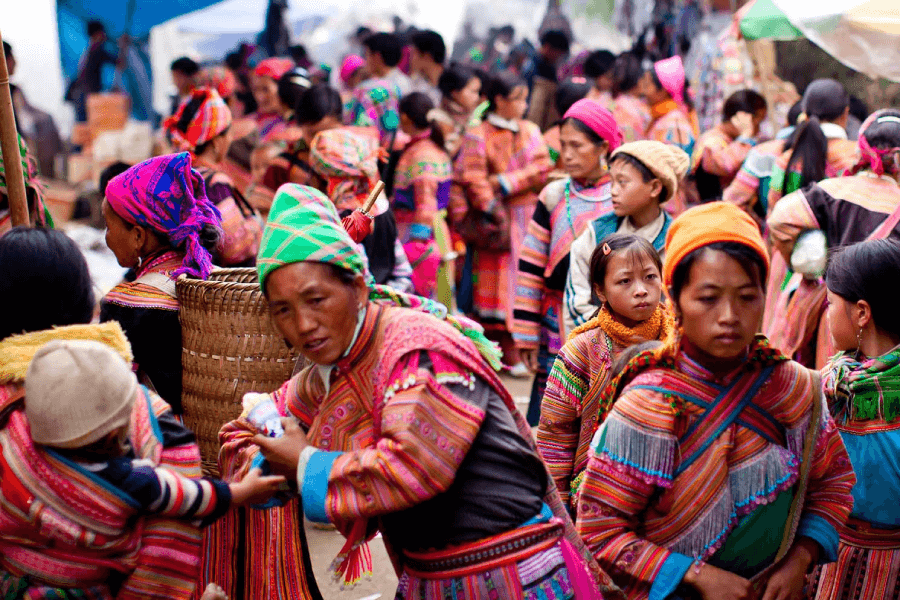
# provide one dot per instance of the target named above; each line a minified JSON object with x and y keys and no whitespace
{"x":140,"y":262}
{"x":858,"y":341}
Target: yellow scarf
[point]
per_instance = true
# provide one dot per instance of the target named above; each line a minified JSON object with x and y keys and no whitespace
{"x":18,"y":350}
{"x":658,"y":327}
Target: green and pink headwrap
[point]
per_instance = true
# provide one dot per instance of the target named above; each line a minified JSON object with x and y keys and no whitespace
{"x":168,"y":196}
{"x":304,"y":226}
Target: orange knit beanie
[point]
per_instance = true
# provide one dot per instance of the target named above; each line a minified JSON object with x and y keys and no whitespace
{"x":707,"y":224}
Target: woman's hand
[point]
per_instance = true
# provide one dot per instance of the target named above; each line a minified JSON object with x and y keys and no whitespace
{"x":283,"y":453}
{"x":718,"y":584}
{"x":743,"y":123}
{"x":255,"y":488}
{"x":530,"y":358}
{"x":787,"y":581}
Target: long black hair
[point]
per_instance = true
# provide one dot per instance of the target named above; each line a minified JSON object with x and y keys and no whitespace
{"x":416,"y":106}
{"x":44,"y":282}
{"x":454,"y":78}
{"x":859,"y":272}
{"x":824,"y":100}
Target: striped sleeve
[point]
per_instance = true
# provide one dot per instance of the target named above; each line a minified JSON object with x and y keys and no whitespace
{"x":530,"y":280}
{"x":535,"y":168}
{"x":559,"y":427}
{"x":578,"y":303}
{"x":724,"y":158}
{"x":165,"y":493}
{"x":790,"y":217}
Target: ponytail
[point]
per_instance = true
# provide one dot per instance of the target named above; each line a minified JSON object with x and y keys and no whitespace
{"x":810,"y":149}
{"x":419,"y":108}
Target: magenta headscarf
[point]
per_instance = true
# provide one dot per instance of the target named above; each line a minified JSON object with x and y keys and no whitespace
{"x":600,"y":120}
{"x":873,"y":158}
{"x":166,"y":195}
{"x":351,"y":65}
{"x":671,"y":75}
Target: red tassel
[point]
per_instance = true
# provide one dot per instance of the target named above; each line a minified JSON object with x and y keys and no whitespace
{"x":358,"y":224}
{"x":354,"y":561}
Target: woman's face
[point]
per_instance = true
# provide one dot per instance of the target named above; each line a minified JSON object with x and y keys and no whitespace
{"x":121,"y":239}
{"x":470,"y":96}
{"x":844,"y":331}
{"x":265,"y":92}
{"x":315,"y":311}
{"x":721,"y":306}
{"x":513,"y":106}
{"x":630,"y":193}
{"x":649,"y":90}
{"x":581,"y":157}
{"x":632,"y":287}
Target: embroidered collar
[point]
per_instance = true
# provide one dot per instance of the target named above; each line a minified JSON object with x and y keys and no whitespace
{"x":498,"y":121}
{"x":163,"y":261}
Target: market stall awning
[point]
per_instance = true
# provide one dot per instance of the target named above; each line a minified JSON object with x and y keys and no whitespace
{"x":862,"y":34}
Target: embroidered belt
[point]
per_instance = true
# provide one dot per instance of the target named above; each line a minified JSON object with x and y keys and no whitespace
{"x":860,"y":534}
{"x":483,"y":555}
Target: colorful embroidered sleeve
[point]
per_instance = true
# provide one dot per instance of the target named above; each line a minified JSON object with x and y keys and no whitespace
{"x":425,"y":434}
{"x":559,"y":427}
{"x":534,"y":166}
{"x":828,"y":496}
{"x":471,"y":169}
{"x":632,"y":457}
{"x":530,"y":281}
{"x":724,"y":158}
{"x":788,"y":219}
{"x":578,"y":297}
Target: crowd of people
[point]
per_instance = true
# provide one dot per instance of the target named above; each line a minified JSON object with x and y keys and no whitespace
{"x":704,"y":314}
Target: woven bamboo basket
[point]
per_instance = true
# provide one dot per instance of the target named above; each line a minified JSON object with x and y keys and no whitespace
{"x":230,"y":347}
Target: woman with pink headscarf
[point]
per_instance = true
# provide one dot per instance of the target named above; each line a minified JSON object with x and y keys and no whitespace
{"x":673,"y":120}
{"x":565,"y":208}
{"x":847,"y":210}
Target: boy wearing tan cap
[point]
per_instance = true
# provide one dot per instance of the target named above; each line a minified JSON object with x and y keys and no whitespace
{"x":645,"y":174}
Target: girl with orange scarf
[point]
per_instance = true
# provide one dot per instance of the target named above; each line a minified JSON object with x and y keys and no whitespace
{"x":625,"y":275}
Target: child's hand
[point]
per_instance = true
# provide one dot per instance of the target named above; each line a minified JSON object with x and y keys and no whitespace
{"x":255,"y":488}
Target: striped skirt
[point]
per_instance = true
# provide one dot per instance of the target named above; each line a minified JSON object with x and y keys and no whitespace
{"x":531,"y":562}
{"x":867,"y":568}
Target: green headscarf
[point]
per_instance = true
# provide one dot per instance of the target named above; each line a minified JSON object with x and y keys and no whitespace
{"x":303,"y":226}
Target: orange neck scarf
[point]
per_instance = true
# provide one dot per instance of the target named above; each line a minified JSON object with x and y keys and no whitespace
{"x":657,"y":327}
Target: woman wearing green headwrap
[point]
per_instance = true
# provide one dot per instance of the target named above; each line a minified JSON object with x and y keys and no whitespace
{"x":401,"y":425}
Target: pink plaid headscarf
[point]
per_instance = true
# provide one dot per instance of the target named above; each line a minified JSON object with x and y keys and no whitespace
{"x":671,"y":75}
{"x":872,"y":159}
{"x":166,"y":195}
{"x":600,"y":120}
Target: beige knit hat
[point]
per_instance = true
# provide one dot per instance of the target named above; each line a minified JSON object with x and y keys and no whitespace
{"x":77,"y":392}
{"x":668,"y":163}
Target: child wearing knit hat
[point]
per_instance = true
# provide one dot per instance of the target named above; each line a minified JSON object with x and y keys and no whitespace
{"x":645,"y":174}
{"x":79,"y":397}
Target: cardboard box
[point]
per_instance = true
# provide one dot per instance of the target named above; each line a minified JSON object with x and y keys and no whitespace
{"x":60,"y":198}
{"x":107,"y":112}
{"x":81,"y":168}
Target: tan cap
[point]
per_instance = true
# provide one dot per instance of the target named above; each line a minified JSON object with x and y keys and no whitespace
{"x":668,"y":163}
{"x":77,"y":392}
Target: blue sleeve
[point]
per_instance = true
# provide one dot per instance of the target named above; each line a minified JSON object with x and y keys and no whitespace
{"x":823,"y":533}
{"x":670,"y":576}
{"x":314,"y":487}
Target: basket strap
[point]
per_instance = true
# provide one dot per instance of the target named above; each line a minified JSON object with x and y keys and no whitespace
{"x":163,"y":283}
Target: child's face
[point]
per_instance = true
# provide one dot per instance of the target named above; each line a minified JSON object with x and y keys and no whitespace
{"x":843,"y":331}
{"x":579,"y":155}
{"x":632,"y":286}
{"x":721,"y":306}
{"x":513,"y":106}
{"x":630,"y":193}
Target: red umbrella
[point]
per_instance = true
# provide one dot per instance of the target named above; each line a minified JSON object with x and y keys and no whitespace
{"x":359,"y":223}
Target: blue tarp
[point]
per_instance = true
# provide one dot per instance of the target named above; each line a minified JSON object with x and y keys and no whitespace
{"x":134,"y":17}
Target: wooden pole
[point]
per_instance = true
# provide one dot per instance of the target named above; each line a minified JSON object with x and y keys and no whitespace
{"x":373,"y":196}
{"x":9,"y":148}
